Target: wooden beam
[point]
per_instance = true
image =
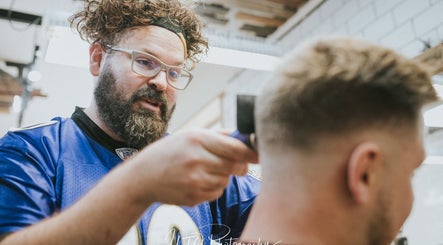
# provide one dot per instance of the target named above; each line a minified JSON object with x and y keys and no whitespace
{"x":5,"y":103}
{"x":9,"y":85}
{"x":6,"y":99}
{"x":292,"y":4}
{"x":4,"y":109}
{"x":6,"y":89}
{"x":263,"y":21}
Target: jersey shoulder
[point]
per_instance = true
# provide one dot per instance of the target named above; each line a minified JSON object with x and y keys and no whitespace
{"x":34,"y":126}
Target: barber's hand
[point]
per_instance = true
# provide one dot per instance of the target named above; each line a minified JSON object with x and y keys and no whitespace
{"x":190,"y":167}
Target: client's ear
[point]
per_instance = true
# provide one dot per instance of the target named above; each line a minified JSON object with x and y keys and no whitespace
{"x":364,"y":162}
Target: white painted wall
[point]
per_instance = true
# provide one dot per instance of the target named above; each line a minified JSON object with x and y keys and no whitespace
{"x":66,"y":88}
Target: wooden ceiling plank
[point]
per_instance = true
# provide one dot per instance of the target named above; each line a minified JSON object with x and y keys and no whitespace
{"x":266,"y":7}
{"x":292,"y":4}
{"x":4,"y":109}
{"x":264,"y":21}
{"x":6,"y":98}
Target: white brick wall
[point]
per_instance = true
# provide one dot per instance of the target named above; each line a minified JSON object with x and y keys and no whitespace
{"x":380,"y":27}
{"x":364,"y":17}
{"x":399,"y":24}
{"x":344,"y":13}
{"x":383,"y":6}
{"x":329,"y":7}
{"x":429,"y":19}
{"x":399,"y":37}
{"x":409,"y":9}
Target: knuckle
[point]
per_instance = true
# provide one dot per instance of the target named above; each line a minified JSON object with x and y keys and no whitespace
{"x":237,"y":167}
{"x":192,"y":139}
{"x":193,"y":180}
{"x":218,"y":194}
{"x":243,"y":169}
{"x":192,"y":160}
{"x":191,"y":198}
{"x":194,"y":136}
{"x":224,"y":182}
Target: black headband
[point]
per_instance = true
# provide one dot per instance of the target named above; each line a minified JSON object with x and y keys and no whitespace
{"x":167,"y":23}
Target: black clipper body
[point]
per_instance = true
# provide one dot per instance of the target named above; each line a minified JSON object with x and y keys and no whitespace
{"x":245,"y":120}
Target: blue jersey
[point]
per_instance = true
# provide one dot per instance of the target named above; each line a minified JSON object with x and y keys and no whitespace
{"x":46,"y":168}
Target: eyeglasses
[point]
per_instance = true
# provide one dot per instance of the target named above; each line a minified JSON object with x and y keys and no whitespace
{"x":149,"y":66}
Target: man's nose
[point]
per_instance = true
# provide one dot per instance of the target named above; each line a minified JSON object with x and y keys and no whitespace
{"x":159,"y":80}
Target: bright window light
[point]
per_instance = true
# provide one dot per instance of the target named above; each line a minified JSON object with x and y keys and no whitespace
{"x":241,"y":59}
{"x":433,"y":160}
{"x":66,"y":48}
{"x":16,"y":104}
{"x":434,"y":116}
{"x":34,"y":76}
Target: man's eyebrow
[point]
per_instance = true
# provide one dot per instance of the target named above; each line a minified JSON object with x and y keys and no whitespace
{"x":147,"y":51}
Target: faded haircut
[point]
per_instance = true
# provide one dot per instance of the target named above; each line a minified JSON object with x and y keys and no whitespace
{"x":338,"y":85}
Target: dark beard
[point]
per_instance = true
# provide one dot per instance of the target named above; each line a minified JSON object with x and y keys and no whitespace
{"x":136,"y":127}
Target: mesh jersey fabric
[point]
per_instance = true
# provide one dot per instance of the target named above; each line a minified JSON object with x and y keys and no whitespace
{"x":46,"y":168}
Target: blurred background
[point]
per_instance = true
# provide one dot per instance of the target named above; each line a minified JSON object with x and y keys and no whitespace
{"x":43,"y":66}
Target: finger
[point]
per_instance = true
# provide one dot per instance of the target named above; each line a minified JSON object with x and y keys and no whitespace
{"x":225,"y":167}
{"x":210,"y":195}
{"x":229,"y":148}
{"x":241,"y":169}
{"x":231,"y":168}
{"x":194,"y":197}
{"x":214,"y":182}
{"x":226,"y":131}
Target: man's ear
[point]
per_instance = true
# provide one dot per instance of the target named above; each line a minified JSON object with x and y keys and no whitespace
{"x":95,"y":58}
{"x":362,"y":168}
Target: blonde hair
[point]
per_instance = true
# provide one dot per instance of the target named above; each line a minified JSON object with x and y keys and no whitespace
{"x":335,"y":86}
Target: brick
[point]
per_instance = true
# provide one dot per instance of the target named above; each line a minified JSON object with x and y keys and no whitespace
{"x":329,"y":7}
{"x":431,"y":38}
{"x":435,"y":1}
{"x":429,"y":19}
{"x":440,"y":33}
{"x":311,"y":22}
{"x":363,"y":3}
{"x":380,"y":27}
{"x":408,"y":9}
{"x":341,"y":30}
{"x":359,"y":35}
{"x":383,"y":6}
{"x":347,"y":11}
{"x":291,"y":38}
{"x":324,"y":28}
{"x":412,"y":49}
{"x":362,"y":19}
{"x":399,"y":37}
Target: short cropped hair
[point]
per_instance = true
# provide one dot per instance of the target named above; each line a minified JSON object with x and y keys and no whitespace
{"x":105,"y":21}
{"x":338,"y":85}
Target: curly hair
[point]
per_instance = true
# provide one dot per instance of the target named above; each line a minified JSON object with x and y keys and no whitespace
{"x":105,"y":21}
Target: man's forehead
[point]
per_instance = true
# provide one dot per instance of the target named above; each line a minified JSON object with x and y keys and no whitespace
{"x":157,"y":41}
{"x":170,"y":25}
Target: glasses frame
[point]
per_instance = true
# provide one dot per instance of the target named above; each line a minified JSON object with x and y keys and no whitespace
{"x":164,"y":67}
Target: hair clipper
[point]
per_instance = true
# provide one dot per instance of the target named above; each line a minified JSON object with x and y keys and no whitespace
{"x":245,"y":120}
